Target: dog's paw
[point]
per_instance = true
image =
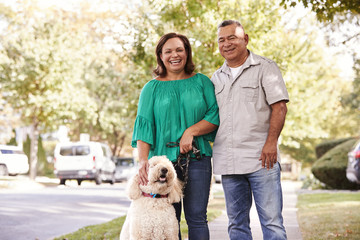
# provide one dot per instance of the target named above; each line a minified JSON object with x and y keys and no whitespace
{"x":133,"y":188}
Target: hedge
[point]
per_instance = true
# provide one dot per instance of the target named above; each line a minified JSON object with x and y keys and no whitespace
{"x":331,"y":167}
{"x":325,"y":146}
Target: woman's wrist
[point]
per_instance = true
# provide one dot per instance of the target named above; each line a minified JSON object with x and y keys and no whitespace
{"x":191,"y":131}
{"x":143,"y":160}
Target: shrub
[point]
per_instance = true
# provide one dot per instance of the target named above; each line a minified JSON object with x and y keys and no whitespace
{"x":331,"y":167}
{"x":325,"y":146}
{"x":44,"y":168}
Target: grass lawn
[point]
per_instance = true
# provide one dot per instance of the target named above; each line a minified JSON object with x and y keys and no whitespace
{"x":329,"y":215}
{"x":111,"y":230}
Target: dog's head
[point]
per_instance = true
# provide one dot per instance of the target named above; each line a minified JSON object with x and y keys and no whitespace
{"x":161,"y":171}
{"x":162,"y":179}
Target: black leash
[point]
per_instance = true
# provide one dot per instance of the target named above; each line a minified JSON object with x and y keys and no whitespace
{"x":183,"y":160}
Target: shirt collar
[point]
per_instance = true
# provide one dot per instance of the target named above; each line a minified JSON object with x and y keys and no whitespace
{"x":252,"y":59}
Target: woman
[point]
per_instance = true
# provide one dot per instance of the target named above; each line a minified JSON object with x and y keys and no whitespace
{"x":179,"y":106}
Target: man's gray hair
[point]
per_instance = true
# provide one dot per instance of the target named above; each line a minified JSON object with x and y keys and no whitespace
{"x":230,"y":22}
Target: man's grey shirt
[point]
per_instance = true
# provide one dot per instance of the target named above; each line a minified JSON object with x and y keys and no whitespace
{"x":244,"y":107}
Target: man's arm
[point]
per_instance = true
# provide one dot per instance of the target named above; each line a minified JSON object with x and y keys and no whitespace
{"x":277,"y":120}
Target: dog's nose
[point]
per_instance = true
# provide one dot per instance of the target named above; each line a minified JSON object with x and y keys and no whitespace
{"x":164,"y":170}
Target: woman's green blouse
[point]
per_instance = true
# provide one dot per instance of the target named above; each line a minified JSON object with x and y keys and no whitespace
{"x":167,"y":108}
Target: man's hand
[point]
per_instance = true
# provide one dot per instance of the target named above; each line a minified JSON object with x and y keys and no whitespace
{"x":269,"y":155}
{"x":277,"y":120}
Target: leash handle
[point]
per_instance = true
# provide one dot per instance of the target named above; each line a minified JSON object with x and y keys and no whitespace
{"x":184,"y":167}
{"x":195,"y":149}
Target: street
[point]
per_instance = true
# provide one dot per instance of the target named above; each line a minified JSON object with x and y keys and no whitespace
{"x":48,"y":212}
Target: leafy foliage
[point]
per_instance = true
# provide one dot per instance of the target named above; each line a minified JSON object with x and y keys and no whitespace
{"x":352,"y":100}
{"x":40,"y":75}
{"x":326,"y":10}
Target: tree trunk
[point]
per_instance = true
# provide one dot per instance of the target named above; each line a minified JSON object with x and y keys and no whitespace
{"x":34,"y":149}
{"x":121,"y":143}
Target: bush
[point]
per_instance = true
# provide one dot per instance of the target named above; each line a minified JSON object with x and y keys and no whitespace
{"x":325,"y":146}
{"x":44,"y":168}
{"x":331,"y":167}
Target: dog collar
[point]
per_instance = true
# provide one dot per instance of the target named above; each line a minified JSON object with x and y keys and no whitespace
{"x":154,"y":195}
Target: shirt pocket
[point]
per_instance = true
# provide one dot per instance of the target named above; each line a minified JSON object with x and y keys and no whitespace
{"x":249,"y":90}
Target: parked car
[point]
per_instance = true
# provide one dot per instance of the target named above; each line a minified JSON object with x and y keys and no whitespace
{"x":126,"y":167}
{"x":353,"y":168}
{"x":13,"y":161}
{"x":84,"y":161}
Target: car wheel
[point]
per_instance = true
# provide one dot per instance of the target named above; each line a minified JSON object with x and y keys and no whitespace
{"x":62,"y":181}
{"x":98,"y":178}
{"x":3,"y":170}
{"x":112,"y":180}
{"x":79,"y":182}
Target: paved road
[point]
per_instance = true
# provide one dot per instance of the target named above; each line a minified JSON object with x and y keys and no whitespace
{"x":45,"y":213}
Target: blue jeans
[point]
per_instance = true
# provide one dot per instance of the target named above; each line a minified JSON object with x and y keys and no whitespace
{"x":266,"y":187}
{"x":196,"y":197}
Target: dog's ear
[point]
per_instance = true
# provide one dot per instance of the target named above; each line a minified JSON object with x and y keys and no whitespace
{"x":133,"y":189}
{"x":176,"y":192}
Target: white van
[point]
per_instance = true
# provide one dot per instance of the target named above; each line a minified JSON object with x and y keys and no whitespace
{"x":13,"y":161}
{"x":84,"y":161}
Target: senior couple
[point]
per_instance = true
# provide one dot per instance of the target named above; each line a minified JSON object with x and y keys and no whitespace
{"x":241,"y":109}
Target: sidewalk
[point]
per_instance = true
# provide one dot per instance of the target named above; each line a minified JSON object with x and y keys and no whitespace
{"x":218,"y":227}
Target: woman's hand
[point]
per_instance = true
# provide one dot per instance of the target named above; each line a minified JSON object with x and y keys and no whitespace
{"x":198,"y":129}
{"x":186,"y":141}
{"x":143,"y":172}
{"x":143,"y":149}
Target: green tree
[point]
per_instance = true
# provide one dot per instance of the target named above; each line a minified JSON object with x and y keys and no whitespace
{"x":327,"y":10}
{"x":9,"y":119}
{"x":352,"y":100}
{"x":115,"y":105}
{"x":101,"y":70}
{"x":341,"y":21}
{"x":41,"y":63}
{"x":108,"y":76}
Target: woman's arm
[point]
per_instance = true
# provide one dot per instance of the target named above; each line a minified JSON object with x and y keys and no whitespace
{"x":201,"y":128}
{"x":143,"y":149}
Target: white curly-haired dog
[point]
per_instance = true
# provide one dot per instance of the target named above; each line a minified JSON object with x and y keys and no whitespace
{"x":151,"y":215}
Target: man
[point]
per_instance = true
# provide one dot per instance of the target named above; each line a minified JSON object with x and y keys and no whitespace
{"x":252,"y":99}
